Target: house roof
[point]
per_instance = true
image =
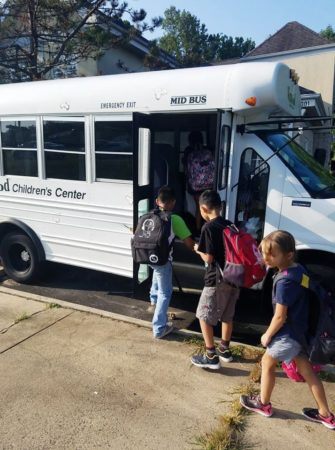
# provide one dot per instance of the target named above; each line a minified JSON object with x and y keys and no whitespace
{"x":142,"y":45}
{"x":291,"y":36}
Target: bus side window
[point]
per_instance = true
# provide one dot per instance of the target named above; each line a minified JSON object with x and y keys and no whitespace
{"x":113,"y":150}
{"x":19,"y":148}
{"x":64,"y":149}
{"x":252,"y":193}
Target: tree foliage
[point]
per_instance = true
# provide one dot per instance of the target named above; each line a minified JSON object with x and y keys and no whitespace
{"x":189,"y":41}
{"x":328,"y":33}
{"x":41,"y":36}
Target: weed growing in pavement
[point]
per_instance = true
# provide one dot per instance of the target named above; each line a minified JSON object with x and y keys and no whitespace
{"x":23,"y":316}
{"x":327,"y":376}
{"x":256,"y":372}
{"x":197,"y":343}
{"x":52,"y":305}
{"x":240,"y":352}
{"x":248,"y":353}
{"x":228,"y":435}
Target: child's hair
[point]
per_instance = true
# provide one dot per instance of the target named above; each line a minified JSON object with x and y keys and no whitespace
{"x":166,"y":194}
{"x":195,"y":138}
{"x":210,"y":199}
{"x":283,"y":239}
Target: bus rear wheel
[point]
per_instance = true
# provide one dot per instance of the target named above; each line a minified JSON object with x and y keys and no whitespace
{"x":19,"y":257}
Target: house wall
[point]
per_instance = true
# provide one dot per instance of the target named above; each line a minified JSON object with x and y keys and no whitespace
{"x":315,"y":68}
{"x":316,"y":72}
{"x":108,"y":64}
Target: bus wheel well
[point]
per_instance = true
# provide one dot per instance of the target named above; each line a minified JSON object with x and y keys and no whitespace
{"x":13,"y":225}
{"x":319,"y":263}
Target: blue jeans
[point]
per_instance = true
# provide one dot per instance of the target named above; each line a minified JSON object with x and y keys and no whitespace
{"x":160,"y":295}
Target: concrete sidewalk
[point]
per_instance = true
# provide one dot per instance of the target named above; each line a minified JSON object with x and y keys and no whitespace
{"x":75,"y":380}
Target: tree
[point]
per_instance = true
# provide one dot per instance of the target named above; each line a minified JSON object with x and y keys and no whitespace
{"x":188,"y":40}
{"x":328,"y":33}
{"x":40,"y":36}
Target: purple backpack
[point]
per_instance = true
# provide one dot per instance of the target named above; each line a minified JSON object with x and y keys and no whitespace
{"x":200,"y":169}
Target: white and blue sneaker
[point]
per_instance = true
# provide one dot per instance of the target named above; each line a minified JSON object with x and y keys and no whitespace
{"x":206,"y":362}
{"x":167,"y":330}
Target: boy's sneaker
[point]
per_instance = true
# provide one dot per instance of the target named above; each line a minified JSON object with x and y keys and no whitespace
{"x":168,"y":329}
{"x":253,"y":403}
{"x":313,"y":414}
{"x":206,"y":362}
{"x":224,"y":354}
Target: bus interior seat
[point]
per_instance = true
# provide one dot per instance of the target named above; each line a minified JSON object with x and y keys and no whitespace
{"x":166,"y":171}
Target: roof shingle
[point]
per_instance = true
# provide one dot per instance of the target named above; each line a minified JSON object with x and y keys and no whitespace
{"x":291,"y":36}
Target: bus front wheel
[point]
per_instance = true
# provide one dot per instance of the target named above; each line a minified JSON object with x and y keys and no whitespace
{"x":19,"y":257}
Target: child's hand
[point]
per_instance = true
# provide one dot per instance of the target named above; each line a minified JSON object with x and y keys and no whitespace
{"x":195,"y":247}
{"x":265,"y":340}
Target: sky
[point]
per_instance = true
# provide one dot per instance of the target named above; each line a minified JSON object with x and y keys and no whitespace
{"x":256,"y":19}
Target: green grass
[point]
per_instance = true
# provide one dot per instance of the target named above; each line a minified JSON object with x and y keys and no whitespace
{"x":327,"y":376}
{"x":24,"y":316}
{"x":198,"y":344}
{"x":52,"y":305}
{"x":229,"y":433}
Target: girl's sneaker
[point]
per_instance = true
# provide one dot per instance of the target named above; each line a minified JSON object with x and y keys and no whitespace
{"x":253,"y":403}
{"x":313,"y":414}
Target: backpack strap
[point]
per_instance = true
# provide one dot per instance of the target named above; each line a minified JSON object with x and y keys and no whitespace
{"x":167,"y":217}
{"x":305,"y":280}
{"x":231,"y":225}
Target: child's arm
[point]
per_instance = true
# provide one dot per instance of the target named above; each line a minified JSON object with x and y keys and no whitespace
{"x":206,"y":257}
{"x":277,"y":322}
{"x":189,"y":242}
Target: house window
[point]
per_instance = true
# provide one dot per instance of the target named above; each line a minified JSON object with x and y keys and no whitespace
{"x":19,"y":149}
{"x":113,"y":150}
{"x":64,"y":149}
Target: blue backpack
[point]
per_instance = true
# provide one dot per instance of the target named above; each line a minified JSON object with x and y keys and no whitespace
{"x":319,"y":343}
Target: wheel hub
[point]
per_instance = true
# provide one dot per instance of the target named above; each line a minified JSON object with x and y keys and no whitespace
{"x":25,"y":256}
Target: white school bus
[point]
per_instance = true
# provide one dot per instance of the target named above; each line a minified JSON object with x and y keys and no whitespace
{"x":81,"y":158}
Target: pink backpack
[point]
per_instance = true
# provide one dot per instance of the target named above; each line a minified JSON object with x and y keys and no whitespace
{"x":291,"y":370}
{"x":200,"y":168}
{"x":244,"y":265}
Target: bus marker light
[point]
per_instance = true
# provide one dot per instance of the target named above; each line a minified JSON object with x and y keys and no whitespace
{"x":251,"y":101}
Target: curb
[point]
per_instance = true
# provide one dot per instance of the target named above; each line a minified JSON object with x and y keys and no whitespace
{"x":119,"y":317}
{"x":91,"y":310}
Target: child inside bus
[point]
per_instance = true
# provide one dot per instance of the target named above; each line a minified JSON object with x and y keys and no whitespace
{"x":199,"y":170}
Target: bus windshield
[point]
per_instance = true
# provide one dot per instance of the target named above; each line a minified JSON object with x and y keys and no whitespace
{"x":313,"y":176}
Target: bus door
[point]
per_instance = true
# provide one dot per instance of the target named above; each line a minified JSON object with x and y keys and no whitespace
{"x":142,"y":190}
{"x":222,"y":155}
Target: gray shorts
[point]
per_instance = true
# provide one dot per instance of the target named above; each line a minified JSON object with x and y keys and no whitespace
{"x":213,"y":308}
{"x":284,"y":348}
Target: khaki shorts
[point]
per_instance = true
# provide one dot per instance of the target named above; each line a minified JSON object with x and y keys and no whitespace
{"x":217,"y":305}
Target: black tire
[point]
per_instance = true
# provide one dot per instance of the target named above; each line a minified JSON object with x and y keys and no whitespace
{"x":19,"y":257}
{"x":322,"y":267}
